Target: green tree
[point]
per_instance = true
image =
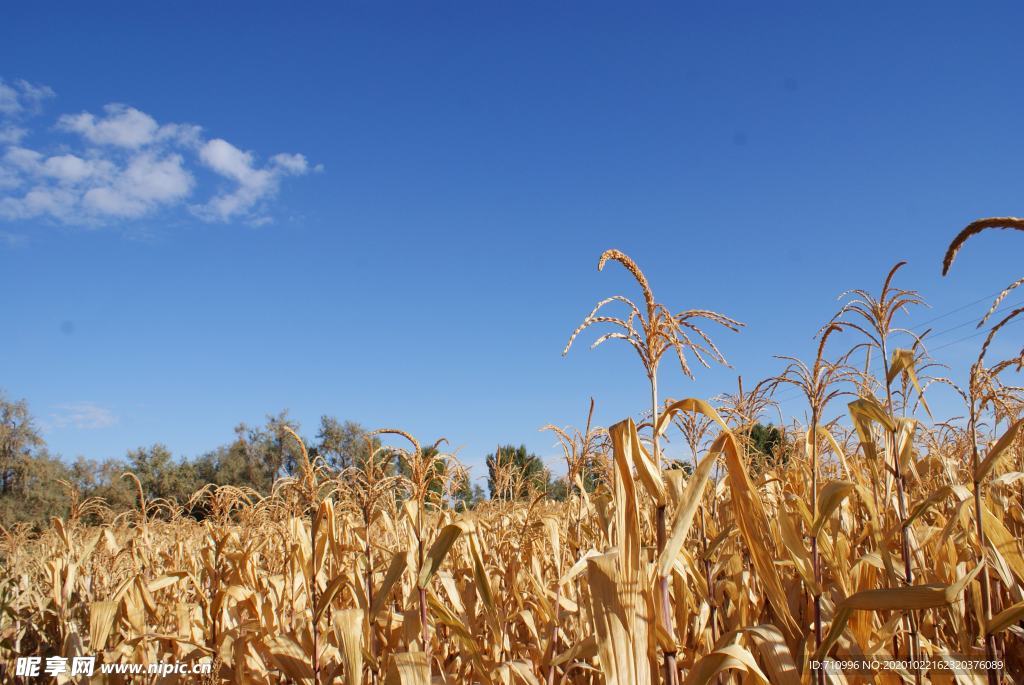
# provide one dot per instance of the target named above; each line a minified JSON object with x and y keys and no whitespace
{"x":467,"y":494}
{"x":513,"y":472}
{"x":40,"y":496}
{"x":29,"y":491}
{"x":257,"y":457}
{"x":278,"y":452}
{"x":342,"y":444}
{"x":559,"y":489}
{"x":766,"y":440}
{"x":435,"y":477}
{"x":18,"y":438}
{"x":103,"y":479}
{"x":37,"y":495}
{"x":161,"y":475}
{"x":680,"y":464}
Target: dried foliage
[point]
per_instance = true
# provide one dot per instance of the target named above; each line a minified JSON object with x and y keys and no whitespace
{"x":883,"y":533}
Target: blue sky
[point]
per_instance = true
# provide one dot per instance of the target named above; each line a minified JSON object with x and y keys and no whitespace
{"x":393,"y":212}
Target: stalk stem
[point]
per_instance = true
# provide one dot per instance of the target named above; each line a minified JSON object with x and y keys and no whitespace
{"x":986,"y":589}
{"x":671,"y":672}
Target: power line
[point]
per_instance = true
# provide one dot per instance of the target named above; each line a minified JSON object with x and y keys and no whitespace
{"x":968,"y":337}
{"x":958,"y":309}
{"x":1002,"y":310}
{"x":790,"y":394}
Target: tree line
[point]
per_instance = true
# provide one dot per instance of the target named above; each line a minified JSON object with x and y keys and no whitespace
{"x":36,"y":484}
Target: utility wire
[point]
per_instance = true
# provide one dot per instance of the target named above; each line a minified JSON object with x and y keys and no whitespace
{"x":958,"y":309}
{"x":1002,"y":310}
{"x":917,"y":329}
{"x":968,"y":337}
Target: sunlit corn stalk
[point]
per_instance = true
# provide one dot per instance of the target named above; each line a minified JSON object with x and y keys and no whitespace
{"x":695,"y":426}
{"x":820,"y":384}
{"x":973,"y":229}
{"x":418,"y":482}
{"x":420,"y":479}
{"x":652,"y":333}
{"x":368,"y":483}
{"x":576,"y":448}
{"x":308,"y":488}
{"x":878,"y":314}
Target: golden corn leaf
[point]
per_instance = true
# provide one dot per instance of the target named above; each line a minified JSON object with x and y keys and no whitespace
{"x":348,"y":627}
{"x":998,"y":451}
{"x":778,"y":660}
{"x":688,"y":504}
{"x":615,"y":623}
{"x":793,"y":543}
{"x":930,"y":596}
{"x":905,"y":428}
{"x":869,"y":408}
{"x":755,"y":529}
{"x":840,"y":454}
{"x":164,"y":581}
{"x":291,"y":658}
{"x":903,"y":362}
{"x":690,"y":404}
{"x":395,"y":570}
{"x":523,"y":671}
{"x":629,"y":444}
{"x":1004,"y":542}
{"x":627,"y":515}
{"x":438,"y":551}
{"x":101,"y":620}
{"x":933,"y":499}
{"x":409,"y":668}
{"x":327,"y":596}
{"x":1006,"y":618}
{"x":584,"y":650}
{"x":831,"y":496}
{"x":722,"y":659}
{"x":482,"y":582}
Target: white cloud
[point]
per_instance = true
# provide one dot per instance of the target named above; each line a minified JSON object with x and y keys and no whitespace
{"x":147,"y":181}
{"x":22,"y":97}
{"x":39,"y":201}
{"x":23,"y":158}
{"x":228,"y":160}
{"x":73,"y":169}
{"x":82,"y":416}
{"x":8,"y":99}
{"x":123,"y":164}
{"x":12,"y":135}
{"x":122,"y":126}
{"x":254,"y":184}
{"x":12,"y":239}
{"x":293,"y":164}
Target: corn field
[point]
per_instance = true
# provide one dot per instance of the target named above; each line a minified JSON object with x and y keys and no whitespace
{"x":873,"y":531}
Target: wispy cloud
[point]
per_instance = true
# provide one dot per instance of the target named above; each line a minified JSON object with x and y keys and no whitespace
{"x":122,"y":164}
{"x":22,"y":97}
{"x":12,"y":239}
{"x":81,"y":416}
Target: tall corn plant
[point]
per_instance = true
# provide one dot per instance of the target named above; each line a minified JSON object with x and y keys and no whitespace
{"x":982,"y":390}
{"x":875,"y":317}
{"x":424,"y":478}
{"x":653,"y":331}
{"x":819,"y":383}
{"x":368,"y":485}
{"x":307,"y":487}
{"x":580,"y":450}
